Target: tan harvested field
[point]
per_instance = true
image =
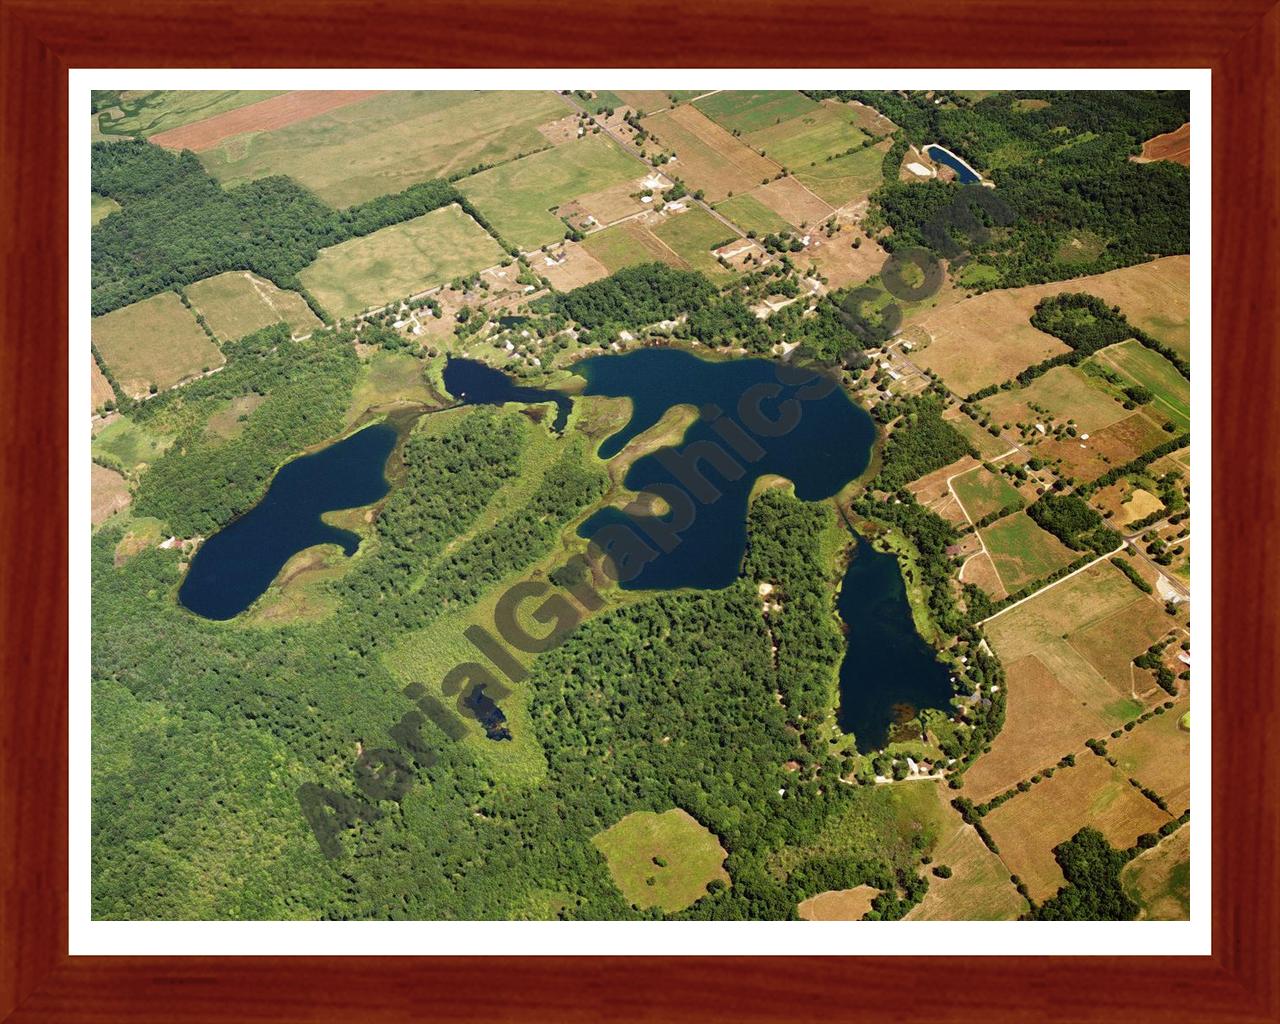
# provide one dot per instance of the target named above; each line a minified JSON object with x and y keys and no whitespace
{"x":981,"y":572}
{"x":109,"y":491}
{"x":707,"y":156}
{"x":578,"y":267}
{"x":1125,"y":501}
{"x":1056,"y":699}
{"x":978,"y":889}
{"x":611,"y":204}
{"x":238,"y":303}
{"x":985,"y":340}
{"x":791,"y":201}
{"x":838,"y":261}
{"x":989,"y":447}
{"x":867,"y":118}
{"x":646,"y":101}
{"x":1067,"y":392}
{"x":99,"y":387}
{"x":1159,"y":879}
{"x":263,"y":116}
{"x":1174,"y":146}
{"x":1158,"y":754}
{"x":1111,"y":643}
{"x":155,"y":341}
{"x":838,"y":904}
{"x":1093,"y":794}
{"x":562,"y":129}
{"x":1121,"y":442}
{"x":399,"y":260}
{"x":988,"y":339}
{"x":933,"y":491}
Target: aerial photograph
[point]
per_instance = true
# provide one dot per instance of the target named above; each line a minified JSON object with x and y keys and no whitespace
{"x":640,"y":505}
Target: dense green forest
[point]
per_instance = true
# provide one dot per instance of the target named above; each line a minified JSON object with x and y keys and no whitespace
{"x":1093,"y":891}
{"x":920,"y":443}
{"x":1071,"y":201}
{"x":181,"y":833}
{"x":1073,"y":522}
{"x":202,"y":482}
{"x":178,"y":225}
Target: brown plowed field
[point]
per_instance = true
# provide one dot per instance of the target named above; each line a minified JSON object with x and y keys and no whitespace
{"x":1174,"y":146}
{"x":258,"y":117}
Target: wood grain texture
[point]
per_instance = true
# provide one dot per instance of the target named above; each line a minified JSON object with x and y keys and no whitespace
{"x":39,"y":41}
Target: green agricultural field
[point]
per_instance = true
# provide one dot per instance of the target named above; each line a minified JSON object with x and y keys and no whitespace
{"x":149,"y":113}
{"x":127,"y":446}
{"x":692,"y":235}
{"x":751,"y":111}
{"x":845,"y":178}
{"x":1153,"y":371}
{"x":752,"y":215}
{"x":627,"y":244}
{"x":982,"y":492}
{"x":662,"y":860}
{"x":517,"y":197}
{"x":155,"y":341}
{"x":822,"y":132}
{"x":238,"y":303}
{"x":1022,"y":552}
{"x":389,"y":142}
{"x":102,"y":206}
{"x":399,"y":260}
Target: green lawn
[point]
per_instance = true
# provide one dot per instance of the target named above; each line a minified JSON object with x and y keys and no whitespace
{"x":845,"y":178}
{"x":750,"y":111}
{"x":127,"y":446}
{"x":627,"y":244}
{"x":102,"y":206}
{"x":811,"y":137}
{"x":399,"y":260}
{"x":1022,"y":552}
{"x":752,"y":215}
{"x":1153,"y":371}
{"x":982,"y":492}
{"x":662,"y":860}
{"x":389,"y":142}
{"x":517,"y":197}
{"x":692,"y":234}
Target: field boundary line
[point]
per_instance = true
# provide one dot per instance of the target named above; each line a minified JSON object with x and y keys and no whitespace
{"x":1037,"y":593}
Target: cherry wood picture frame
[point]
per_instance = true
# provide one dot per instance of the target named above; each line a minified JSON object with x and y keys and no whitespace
{"x":41,"y":39}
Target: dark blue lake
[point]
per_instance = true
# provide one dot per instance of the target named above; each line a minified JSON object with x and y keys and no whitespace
{"x":473,"y":383}
{"x":964,"y":173}
{"x":827,"y":446}
{"x":888,"y":673}
{"x":234,"y":567}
